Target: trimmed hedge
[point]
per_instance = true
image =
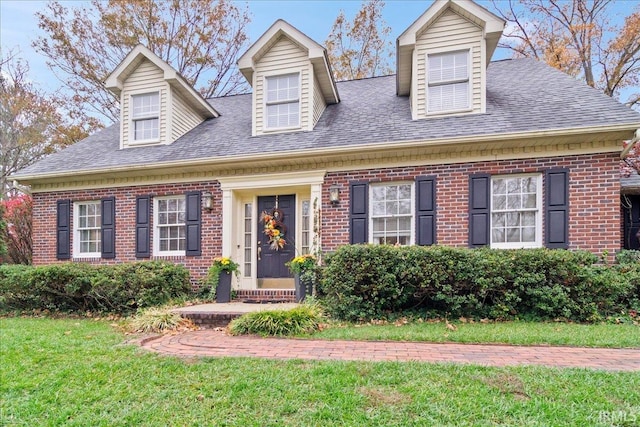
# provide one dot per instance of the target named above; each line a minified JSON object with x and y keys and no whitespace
{"x":121,"y":288}
{"x":372,"y":281}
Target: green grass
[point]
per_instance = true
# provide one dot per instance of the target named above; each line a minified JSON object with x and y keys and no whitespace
{"x":519,"y":333}
{"x":79,"y":373}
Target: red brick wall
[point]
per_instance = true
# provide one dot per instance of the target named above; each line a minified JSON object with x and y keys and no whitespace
{"x":594,"y":207}
{"x":44,"y":223}
{"x":594,"y":197}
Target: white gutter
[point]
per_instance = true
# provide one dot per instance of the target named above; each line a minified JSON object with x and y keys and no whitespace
{"x":387,"y":145}
{"x":630,"y":144}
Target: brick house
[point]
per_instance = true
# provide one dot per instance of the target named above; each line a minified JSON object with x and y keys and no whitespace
{"x":452,"y":150}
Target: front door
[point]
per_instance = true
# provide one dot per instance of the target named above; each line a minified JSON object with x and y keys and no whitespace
{"x":272,"y":271}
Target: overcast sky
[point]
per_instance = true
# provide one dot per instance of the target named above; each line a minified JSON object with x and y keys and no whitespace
{"x":18,"y":25}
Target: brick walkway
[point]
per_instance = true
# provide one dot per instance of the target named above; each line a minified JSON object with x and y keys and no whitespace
{"x":211,"y":343}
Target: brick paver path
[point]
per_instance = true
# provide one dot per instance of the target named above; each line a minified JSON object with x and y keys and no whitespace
{"x":211,"y":343}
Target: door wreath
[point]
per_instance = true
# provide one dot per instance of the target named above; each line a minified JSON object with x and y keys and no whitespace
{"x":274,"y":228}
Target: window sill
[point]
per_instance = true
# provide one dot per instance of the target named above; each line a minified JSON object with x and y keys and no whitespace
{"x":449,"y":112}
{"x":516,"y":246}
{"x":87,"y":257}
{"x":169,"y":255}
{"x":283,"y":129}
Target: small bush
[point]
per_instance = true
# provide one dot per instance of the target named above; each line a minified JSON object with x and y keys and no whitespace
{"x":628,"y":256}
{"x":81,"y":287}
{"x":303,"y":319}
{"x":158,"y":319}
{"x":364,"y":282}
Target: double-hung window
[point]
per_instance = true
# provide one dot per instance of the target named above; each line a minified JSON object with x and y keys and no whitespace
{"x":283,"y":101}
{"x":516,"y":211}
{"x":87,"y":235}
{"x":170,"y":238}
{"x":448,"y":82}
{"x":392,"y":214}
{"x":145,"y":115}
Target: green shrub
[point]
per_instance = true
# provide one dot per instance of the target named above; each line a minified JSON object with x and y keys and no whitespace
{"x":121,"y":288}
{"x":303,"y":319}
{"x":371,"y":281}
{"x":628,"y":256}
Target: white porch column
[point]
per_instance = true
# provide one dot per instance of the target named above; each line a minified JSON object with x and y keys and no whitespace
{"x":227,"y":223}
{"x":316,"y":218}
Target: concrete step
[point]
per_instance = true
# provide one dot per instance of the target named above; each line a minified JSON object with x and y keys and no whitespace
{"x":219,"y":315}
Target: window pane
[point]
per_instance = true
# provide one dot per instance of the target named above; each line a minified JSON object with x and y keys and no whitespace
{"x":497,"y":235}
{"x":513,"y":202}
{"x":513,"y":235}
{"x":519,"y":220}
{"x":499,"y":202}
{"x":529,"y":201}
{"x":528,"y":218}
{"x":528,"y":234}
{"x":392,"y":208}
{"x":378,"y":208}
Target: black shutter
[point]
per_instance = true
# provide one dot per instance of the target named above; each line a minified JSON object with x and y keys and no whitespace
{"x":557,"y":208}
{"x":426,"y":210}
{"x":193,"y":223}
{"x":143,"y":235}
{"x":479,"y":209}
{"x":358,"y":218}
{"x":108,"y":232}
{"x":63,"y":229}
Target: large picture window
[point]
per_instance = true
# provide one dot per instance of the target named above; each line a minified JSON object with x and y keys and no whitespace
{"x":283,"y":101}
{"x":170,"y":238}
{"x":392,"y":214}
{"x":448,"y":82}
{"x":145,"y":114}
{"x":516,"y":211}
{"x":87,"y":233}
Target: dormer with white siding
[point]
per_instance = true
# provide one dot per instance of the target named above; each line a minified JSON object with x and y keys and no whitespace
{"x":291,"y":79}
{"x":443,"y":56}
{"x":157,"y":106}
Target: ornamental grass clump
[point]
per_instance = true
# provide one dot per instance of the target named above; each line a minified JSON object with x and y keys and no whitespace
{"x":159,"y":319}
{"x":300,"y":320}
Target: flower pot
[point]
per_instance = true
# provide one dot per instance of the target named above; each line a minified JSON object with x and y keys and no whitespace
{"x":302,"y":288}
{"x":223,"y":290}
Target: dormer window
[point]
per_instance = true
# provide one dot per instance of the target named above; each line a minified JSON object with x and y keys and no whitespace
{"x":146,"y":117}
{"x":283,"y":101}
{"x":448,"y":82}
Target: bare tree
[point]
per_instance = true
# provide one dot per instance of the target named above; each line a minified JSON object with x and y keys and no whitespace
{"x":360,"y":48}
{"x":577,"y":37}
{"x":32,"y":124}
{"x":200,"y":38}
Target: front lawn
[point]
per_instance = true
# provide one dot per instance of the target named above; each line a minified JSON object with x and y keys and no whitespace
{"x":79,"y":372}
{"x":517,"y":333}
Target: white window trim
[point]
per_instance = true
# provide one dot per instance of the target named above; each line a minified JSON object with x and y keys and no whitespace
{"x":156,"y":228}
{"x":519,"y":245}
{"x":468,"y":80}
{"x":412,"y":209}
{"x":265,"y":104}
{"x":132,"y":120}
{"x":76,"y":231}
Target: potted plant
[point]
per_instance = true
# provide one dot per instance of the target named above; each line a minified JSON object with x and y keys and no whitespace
{"x":220,"y":277}
{"x":303,"y":267}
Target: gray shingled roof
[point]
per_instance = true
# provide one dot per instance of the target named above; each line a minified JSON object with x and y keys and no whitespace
{"x":522,"y":95}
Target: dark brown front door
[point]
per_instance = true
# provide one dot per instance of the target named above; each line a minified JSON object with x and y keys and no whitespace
{"x":272,"y":271}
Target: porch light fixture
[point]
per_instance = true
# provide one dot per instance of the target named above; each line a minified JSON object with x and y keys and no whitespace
{"x":334,"y":194}
{"x":207,"y":201}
